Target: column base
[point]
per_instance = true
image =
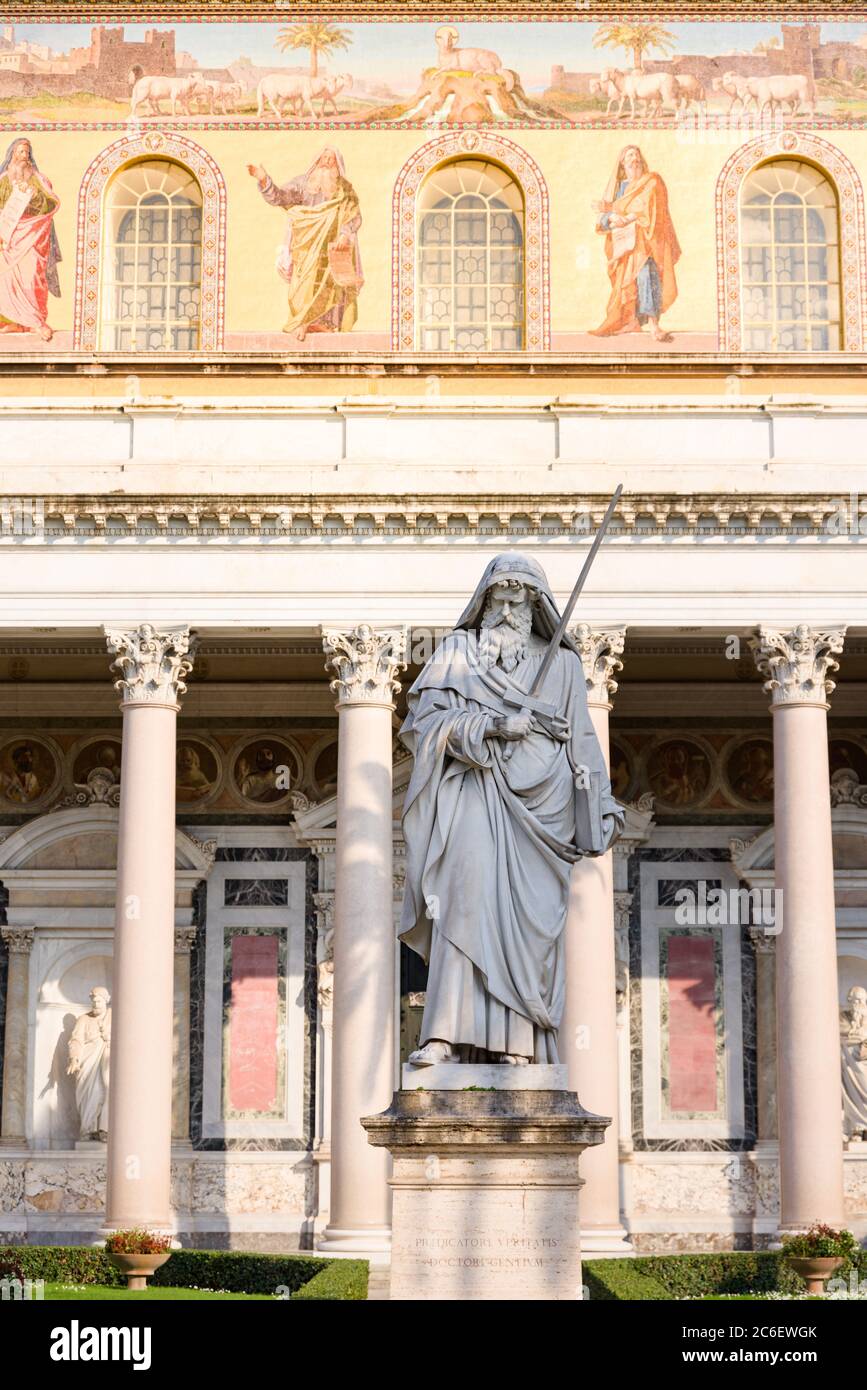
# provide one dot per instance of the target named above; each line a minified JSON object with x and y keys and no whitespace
{"x":13,"y":1141}
{"x":606,"y":1243}
{"x":352,"y":1243}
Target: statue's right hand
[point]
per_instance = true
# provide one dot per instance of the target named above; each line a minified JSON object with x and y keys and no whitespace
{"x":514,"y":726}
{"x":72,"y":1069}
{"x":257,"y":172}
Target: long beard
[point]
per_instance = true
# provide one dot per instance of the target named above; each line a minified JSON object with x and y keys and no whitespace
{"x":506,"y":643}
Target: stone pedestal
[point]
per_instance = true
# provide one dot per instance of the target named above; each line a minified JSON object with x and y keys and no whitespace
{"x":485,"y":1185}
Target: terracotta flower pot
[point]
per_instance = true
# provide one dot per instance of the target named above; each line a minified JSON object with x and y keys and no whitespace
{"x":137,"y":1268}
{"x":815,"y":1269}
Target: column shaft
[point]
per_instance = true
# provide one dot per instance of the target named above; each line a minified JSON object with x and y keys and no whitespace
{"x":798,"y":665}
{"x":808,"y":1033}
{"x":588,"y":1035}
{"x":184,"y":938}
{"x":363,"y":1033}
{"x":19,"y":941}
{"x":153,"y":665}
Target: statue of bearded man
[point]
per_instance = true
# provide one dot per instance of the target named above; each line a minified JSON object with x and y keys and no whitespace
{"x":501,"y":803}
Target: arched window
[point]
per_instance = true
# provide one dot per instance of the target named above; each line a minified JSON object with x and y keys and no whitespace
{"x":470,"y":271}
{"x":152,"y":261}
{"x":790,"y":259}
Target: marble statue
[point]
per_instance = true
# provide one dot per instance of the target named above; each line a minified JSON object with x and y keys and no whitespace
{"x":853,"y":1049}
{"x":502,"y":801}
{"x":89,"y":1050}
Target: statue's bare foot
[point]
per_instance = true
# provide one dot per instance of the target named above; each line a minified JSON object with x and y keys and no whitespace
{"x":434,"y":1051}
{"x":514,"y":1059}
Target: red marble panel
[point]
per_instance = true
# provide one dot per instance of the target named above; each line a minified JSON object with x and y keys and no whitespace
{"x":692,"y":1037}
{"x":253,"y":1059}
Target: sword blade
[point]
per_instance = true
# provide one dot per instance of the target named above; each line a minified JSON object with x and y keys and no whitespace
{"x":553,"y":645}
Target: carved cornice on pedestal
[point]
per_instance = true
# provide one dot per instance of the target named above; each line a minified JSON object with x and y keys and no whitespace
{"x":152,"y":664}
{"x":366,"y":662}
{"x":600,"y":650}
{"x":19,"y":940}
{"x":797,"y":664}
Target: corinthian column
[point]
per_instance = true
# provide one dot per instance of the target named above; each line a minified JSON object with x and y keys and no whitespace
{"x":19,"y":942}
{"x":366,"y":663}
{"x":797,"y":666}
{"x":588,"y":1036}
{"x":152,"y":666}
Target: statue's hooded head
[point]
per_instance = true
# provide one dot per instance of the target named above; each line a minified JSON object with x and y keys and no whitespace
{"x":514,"y":567}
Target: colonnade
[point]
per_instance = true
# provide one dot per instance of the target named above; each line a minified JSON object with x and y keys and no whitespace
{"x":366,"y":664}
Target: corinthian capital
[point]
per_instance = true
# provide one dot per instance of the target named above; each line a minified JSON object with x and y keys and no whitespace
{"x":366,"y":663}
{"x":600,"y":651}
{"x":797,"y":664}
{"x":152,"y":664}
{"x":19,"y":940}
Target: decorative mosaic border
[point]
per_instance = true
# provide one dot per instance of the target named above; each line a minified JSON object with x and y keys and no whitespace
{"x":394,"y":11}
{"x":853,"y":286}
{"x":162,"y":145}
{"x":693,"y":129}
{"x":527,"y":174}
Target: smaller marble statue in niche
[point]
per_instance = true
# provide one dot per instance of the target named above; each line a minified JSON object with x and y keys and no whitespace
{"x":853,"y":1050}
{"x":89,"y":1052}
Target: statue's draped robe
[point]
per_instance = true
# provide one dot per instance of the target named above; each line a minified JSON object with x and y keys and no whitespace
{"x":490,"y":841}
{"x":90,"y":1044}
{"x":854,"y":1068}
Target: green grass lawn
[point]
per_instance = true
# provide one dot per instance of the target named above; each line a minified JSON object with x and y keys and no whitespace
{"x":100,"y":1293}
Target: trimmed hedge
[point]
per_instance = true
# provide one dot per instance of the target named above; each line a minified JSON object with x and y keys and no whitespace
{"x":695,"y":1276}
{"x":64,"y":1264}
{"x":340,"y":1279}
{"x":622,"y":1284}
{"x":305,"y":1276}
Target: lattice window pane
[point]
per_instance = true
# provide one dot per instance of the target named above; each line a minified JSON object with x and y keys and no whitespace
{"x":470,"y":267}
{"x":470,"y":339}
{"x":789,"y":259}
{"x":152,"y":265}
{"x":470,"y":259}
{"x":757,"y":263}
{"x":506,"y":267}
{"x":436,"y":267}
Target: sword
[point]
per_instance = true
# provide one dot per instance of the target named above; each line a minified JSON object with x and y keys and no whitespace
{"x":529,"y":700}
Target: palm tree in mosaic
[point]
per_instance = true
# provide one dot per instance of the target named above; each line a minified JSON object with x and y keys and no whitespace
{"x":319,"y":38}
{"x":637,"y":39}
